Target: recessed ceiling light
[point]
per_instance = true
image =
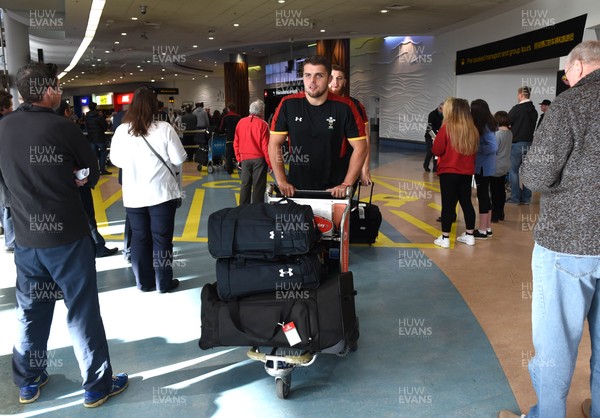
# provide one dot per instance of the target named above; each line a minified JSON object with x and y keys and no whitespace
{"x":120,"y":76}
{"x":93,"y":65}
{"x":236,"y":24}
{"x":114,"y":79}
{"x":200,"y":60}
{"x":162,"y":78}
{"x":141,"y":69}
{"x":124,"y":33}
{"x":83,"y":72}
{"x":281,"y":1}
{"x":194,"y":46}
{"x":130,"y":73}
{"x":152,"y":81}
{"x":139,"y":66}
{"x":117,"y":42}
{"x":134,"y":18}
{"x":205,"y":76}
{"x":107,"y":51}
{"x":99,"y":59}
{"x":211,"y":37}
{"x":384,"y":10}
{"x":175,"y":74}
{"x":193,"y":78}
{"x":322,"y":30}
{"x":163,"y":69}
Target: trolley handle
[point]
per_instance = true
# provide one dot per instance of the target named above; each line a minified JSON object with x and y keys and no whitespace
{"x":273,"y":191}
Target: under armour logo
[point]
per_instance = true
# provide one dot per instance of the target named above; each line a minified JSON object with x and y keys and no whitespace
{"x":282,"y":272}
{"x":272,"y":234}
{"x":330,"y":121}
{"x":298,"y":119}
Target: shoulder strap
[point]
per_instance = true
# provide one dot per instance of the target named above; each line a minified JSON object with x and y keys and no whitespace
{"x":159,"y":156}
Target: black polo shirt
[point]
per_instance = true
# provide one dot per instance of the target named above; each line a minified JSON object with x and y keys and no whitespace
{"x":318,"y":138}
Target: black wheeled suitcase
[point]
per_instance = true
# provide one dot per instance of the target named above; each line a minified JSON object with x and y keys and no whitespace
{"x":365,"y":220}
{"x":240,"y":277}
{"x":325,"y":318}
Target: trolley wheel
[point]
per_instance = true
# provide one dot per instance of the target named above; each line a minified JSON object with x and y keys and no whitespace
{"x":210,"y":168}
{"x":199,"y":167}
{"x":283,"y":387}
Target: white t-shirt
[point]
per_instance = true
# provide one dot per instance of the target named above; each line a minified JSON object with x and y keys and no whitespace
{"x":146,"y":180}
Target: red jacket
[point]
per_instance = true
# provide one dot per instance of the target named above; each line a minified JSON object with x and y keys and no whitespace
{"x":251,"y":139}
{"x":450,"y":160}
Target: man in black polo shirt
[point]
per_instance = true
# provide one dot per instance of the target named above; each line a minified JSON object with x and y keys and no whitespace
{"x":320,"y":128}
{"x":54,"y":252}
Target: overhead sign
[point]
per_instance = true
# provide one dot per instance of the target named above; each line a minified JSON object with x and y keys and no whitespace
{"x":538,"y":45}
{"x":161,"y":90}
{"x":103,"y":99}
{"x":124,"y":98}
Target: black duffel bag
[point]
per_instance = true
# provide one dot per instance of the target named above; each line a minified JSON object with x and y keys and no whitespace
{"x":240,"y":277}
{"x":262,"y":230}
{"x":324,"y":317}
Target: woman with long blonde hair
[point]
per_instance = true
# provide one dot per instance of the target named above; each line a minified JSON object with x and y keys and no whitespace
{"x":456,"y":145}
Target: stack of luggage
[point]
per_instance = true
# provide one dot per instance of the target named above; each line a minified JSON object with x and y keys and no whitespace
{"x":272,"y":288}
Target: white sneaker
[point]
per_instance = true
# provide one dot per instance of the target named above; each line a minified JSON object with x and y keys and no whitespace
{"x":466,"y":239}
{"x":442,"y":241}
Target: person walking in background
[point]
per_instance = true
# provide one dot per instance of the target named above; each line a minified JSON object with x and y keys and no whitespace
{"x":562,"y":164}
{"x":456,"y":144}
{"x":85,"y":191}
{"x":485,"y":163}
{"x":523,"y":117}
{"x":53,"y":249}
{"x":543,"y":107}
{"x":498,"y":179}
{"x":96,"y":126}
{"x":189,"y":122}
{"x":434,"y":123}
{"x":228,"y":125}
{"x":150,"y":154}
{"x":251,"y":146}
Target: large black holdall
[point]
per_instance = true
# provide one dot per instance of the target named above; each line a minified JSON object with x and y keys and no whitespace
{"x":365,"y":220}
{"x":262,"y":230}
{"x":324,"y":317}
{"x":239,"y":277}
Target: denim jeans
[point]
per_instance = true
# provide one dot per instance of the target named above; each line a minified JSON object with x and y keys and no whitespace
{"x":100,"y":150}
{"x":45,"y":275}
{"x":518,"y":150}
{"x":565,"y":293}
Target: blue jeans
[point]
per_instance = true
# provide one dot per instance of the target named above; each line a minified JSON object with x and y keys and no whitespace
{"x":518,"y":150}
{"x":565,"y":292}
{"x":152,"y":244}
{"x":45,"y":275}
{"x":9,"y":230}
{"x":100,"y":149}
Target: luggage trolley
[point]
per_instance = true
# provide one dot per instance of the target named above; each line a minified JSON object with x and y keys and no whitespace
{"x":332,"y":216}
{"x":214,"y":152}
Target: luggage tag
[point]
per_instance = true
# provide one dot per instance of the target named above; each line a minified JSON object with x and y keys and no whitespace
{"x":291,"y":333}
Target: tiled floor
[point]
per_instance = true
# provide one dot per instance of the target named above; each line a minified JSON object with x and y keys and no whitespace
{"x":444,"y":333}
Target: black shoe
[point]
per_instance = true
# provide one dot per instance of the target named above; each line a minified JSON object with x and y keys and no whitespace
{"x":479,"y":235}
{"x":495,"y":219}
{"x":105,"y":173}
{"x":106,"y":252}
{"x":426,"y":168}
{"x":173,"y":285}
{"x":148,"y":289}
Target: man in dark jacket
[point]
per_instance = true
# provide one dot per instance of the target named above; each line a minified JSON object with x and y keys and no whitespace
{"x":523,"y":117}
{"x":434,"y":123}
{"x":54,"y":253}
{"x":228,"y":124}
{"x":96,"y":126}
